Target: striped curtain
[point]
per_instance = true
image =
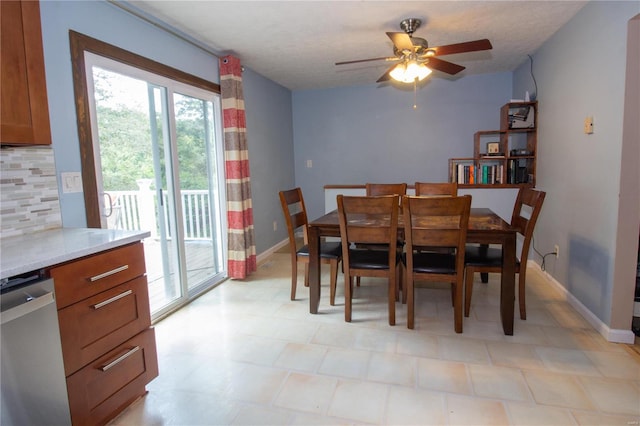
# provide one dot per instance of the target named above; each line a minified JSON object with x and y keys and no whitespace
{"x":241,"y":245}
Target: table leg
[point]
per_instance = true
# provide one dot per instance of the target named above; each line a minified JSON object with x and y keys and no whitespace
{"x":314,"y":269}
{"x":484,"y":277}
{"x":508,"y":282}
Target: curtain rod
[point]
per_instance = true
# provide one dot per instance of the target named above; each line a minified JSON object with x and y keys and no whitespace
{"x":133,"y":10}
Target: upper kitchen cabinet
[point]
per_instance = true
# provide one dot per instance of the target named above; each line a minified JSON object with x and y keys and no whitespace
{"x":24,"y":111}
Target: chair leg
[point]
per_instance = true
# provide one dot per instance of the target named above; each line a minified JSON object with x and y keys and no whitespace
{"x":398,"y":284}
{"x":410,"y":300}
{"x":393,"y":282}
{"x":348,"y":287}
{"x":334,"y":280}
{"x":521,"y":293}
{"x":468,"y":290}
{"x":306,"y":275}
{"x":294,"y":277}
{"x":457,"y":307}
{"x":453,"y":296}
{"x":404,"y":284}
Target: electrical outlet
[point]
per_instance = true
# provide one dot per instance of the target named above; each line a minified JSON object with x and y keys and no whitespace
{"x":556,"y":250}
{"x":275,"y":225}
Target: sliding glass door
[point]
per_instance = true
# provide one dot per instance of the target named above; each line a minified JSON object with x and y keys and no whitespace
{"x":157,"y":149}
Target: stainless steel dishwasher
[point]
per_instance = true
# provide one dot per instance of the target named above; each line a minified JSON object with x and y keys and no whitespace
{"x":34,"y":388}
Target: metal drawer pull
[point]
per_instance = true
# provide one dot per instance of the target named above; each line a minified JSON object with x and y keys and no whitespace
{"x":112,"y":299}
{"x":108,"y":273}
{"x":120,"y":358}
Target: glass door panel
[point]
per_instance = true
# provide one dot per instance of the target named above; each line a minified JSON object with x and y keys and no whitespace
{"x":198,"y":177}
{"x":157,"y":158}
{"x":132,"y":174}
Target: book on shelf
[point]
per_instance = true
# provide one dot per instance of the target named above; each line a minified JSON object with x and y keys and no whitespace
{"x":517,"y":174}
{"x":467,"y":173}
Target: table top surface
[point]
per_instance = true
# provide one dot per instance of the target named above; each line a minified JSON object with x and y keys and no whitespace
{"x":480,"y":219}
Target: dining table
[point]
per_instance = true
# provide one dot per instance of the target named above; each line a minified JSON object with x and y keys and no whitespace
{"x":485,"y":227}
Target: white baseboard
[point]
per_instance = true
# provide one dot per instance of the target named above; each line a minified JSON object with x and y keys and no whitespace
{"x":265,"y":254}
{"x":612,"y":335}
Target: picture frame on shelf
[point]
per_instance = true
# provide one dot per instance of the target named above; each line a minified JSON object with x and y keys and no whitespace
{"x":493,"y":148}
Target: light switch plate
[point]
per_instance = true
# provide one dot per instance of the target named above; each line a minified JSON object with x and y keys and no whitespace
{"x":588,"y":125}
{"x":71,"y":182}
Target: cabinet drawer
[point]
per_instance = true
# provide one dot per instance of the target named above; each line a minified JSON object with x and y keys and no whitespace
{"x":99,"y":323}
{"x":102,"y":389}
{"x":91,"y":275}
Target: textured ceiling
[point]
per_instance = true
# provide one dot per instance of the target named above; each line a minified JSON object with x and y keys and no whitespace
{"x":296,"y":43}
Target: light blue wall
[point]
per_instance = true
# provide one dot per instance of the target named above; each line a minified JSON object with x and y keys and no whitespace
{"x":270,"y":139}
{"x":580,"y":72}
{"x":267,"y":102}
{"x":355,"y":135}
{"x":105,"y":22}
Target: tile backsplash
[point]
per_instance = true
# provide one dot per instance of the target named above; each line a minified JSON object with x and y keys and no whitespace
{"x":29,"y":199}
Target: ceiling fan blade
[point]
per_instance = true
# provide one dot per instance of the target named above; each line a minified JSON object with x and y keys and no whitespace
{"x":384,"y":58}
{"x":401,"y":41}
{"x":444,"y":66}
{"x":469,"y":46}
{"x":386,"y":76}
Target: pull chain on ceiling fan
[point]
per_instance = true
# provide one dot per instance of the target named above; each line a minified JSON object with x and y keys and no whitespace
{"x":416,"y":59}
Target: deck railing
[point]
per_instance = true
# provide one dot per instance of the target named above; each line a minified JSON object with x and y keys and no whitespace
{"x":138,"y":210}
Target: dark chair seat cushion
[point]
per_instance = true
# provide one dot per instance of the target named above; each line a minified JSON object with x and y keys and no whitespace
{"x":368,"y":259}
{"x":327,"y":250}
{"x":484,"y":256}
{"x":433,"y":263}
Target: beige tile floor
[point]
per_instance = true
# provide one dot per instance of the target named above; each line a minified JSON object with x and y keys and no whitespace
{"x":244,"y":354}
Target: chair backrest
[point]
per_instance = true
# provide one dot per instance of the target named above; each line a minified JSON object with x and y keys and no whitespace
{"x":437,"y":222}
{"x":386,"y":189}
{"x":533,"y":199}
{"x":295,"y":213}
{"x":369,"y":220}
{"x":437,"y":188}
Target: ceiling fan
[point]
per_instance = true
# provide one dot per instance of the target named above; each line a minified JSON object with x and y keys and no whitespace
{"x":416,"y":59}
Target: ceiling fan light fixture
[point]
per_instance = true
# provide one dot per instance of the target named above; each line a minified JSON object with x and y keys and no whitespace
{"x":407,"y":72}
{"x":398,"y":72}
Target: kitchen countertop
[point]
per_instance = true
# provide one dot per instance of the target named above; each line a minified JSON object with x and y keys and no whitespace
{"x":31,"y":252}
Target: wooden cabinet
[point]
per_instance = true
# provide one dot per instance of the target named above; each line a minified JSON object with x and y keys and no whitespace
{"x":505,"y":157}
{"x":108,"y":344}
{"x":24,"y":111}
{"x":106,"y":386}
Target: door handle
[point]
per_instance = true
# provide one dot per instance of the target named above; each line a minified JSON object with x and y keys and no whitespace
{"x":110,"y":204}
{"x":31,"y":305}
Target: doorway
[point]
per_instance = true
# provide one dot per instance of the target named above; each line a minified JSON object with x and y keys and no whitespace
{"x":157,"y":156}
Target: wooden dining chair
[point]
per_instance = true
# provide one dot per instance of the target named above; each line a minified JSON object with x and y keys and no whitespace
{"x":295,"y":214}
{"x":436,"y":188}
{"x":435,"y":222}
{"x":369,"y":220}
{"x":484,"y":259}
{"x":399,"y":189}
{"x":376,"y":189}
